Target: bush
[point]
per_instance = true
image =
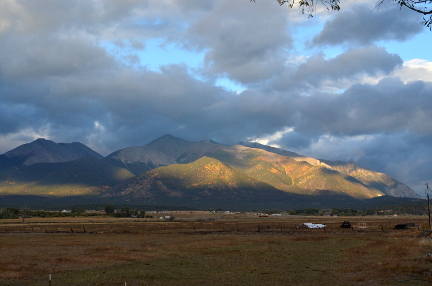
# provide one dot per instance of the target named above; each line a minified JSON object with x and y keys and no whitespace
{"x":127,"y":212}
{"x":8,"y":213}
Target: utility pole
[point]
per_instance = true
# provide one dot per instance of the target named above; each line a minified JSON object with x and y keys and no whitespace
{"x":427,"y":191}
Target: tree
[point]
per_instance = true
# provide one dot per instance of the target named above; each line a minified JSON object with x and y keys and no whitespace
{"x":110,"y":209}
{"x":423,"y":7}
{"x":124,"y":212}
{"x":128,"y":212}
{"x":9,"y":213}
{"x":25,"y":212}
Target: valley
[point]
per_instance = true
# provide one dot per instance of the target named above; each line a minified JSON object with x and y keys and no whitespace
{"x":207,"y":248}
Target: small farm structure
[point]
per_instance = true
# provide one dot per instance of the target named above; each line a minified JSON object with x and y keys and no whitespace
{"x":314,"y":225}
{"x":346,"y":224}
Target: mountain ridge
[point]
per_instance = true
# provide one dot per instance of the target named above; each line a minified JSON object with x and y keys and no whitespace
{"x":206,"y":182}
{"x":46,"y":151}
{"x":174,"y":171}
{"x":367,"y":177}
{"x":162,"y":151}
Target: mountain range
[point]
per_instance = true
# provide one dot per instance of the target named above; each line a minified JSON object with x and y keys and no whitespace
{"x":170,"y":171}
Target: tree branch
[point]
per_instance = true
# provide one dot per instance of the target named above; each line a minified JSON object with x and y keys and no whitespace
{"x":411,"y":5}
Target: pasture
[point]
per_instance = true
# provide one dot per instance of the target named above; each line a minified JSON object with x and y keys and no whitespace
{"x":203,"y":248}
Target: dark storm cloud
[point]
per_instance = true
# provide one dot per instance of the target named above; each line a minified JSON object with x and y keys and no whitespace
{"x":65,"y":74}
{"x":62,"y":69}
{"x":371,"y":61}
{"x":389,"y":106}
{"x":245,"y":42}
{"x":296,"y":141}
{"x":17,"y":116}
{"x":363,"y":24}
{"x":41,"y":55}
{"x":76,"y":85}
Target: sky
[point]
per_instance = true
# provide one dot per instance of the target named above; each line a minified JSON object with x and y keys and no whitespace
{"x":353,"y":85}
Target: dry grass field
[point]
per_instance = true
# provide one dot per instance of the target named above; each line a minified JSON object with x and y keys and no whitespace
{"x":203,"y":248}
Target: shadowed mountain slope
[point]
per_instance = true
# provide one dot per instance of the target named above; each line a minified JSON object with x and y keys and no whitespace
{"x":47,"y":151}
{"x":86,"y":171}
{"x":164,"y":151}
{"x":83,"y":176}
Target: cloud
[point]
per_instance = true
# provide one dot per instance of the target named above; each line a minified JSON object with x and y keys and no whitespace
{"x":245,"y":41}
{"x":388,"y":106}
{"x":363,"y":25}
{"x":76,"y":71}
{"x":370,"y":61}
{"x":415,"y":69}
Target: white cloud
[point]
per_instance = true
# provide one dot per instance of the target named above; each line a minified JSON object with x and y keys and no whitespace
{"x":23,"y":136}
{"x":415,"y":69}
{"x":268,"y":139}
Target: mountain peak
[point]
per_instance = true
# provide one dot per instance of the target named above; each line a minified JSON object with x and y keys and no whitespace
{"x":41,"y":141}
{"x":42,"y":150}
{"x":167,"y":139}
{"x":164,"y":151}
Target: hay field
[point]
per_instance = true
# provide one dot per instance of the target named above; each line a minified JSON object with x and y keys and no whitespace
{"x":203,"y":248}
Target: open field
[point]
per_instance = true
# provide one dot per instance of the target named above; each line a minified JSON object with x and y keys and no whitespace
{"x":203,"y":248}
